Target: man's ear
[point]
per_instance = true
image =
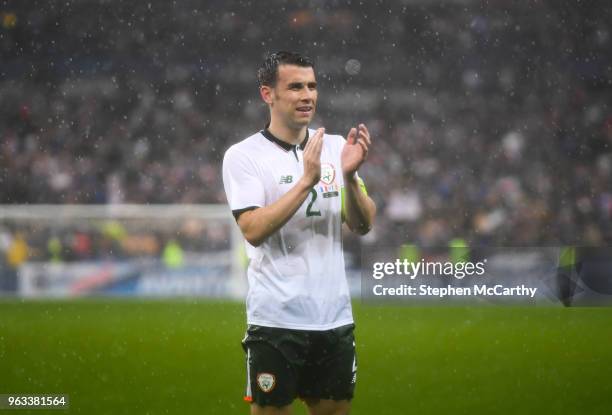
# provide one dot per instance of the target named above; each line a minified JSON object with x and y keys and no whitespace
{"x":266,"y":93}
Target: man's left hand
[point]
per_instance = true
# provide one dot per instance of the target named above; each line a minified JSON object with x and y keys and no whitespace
{"x":355,"y":151}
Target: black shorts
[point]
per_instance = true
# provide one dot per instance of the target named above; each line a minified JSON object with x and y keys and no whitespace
{"x":283,"y":364}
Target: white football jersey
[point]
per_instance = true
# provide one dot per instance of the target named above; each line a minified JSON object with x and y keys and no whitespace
{"x":296,"y":276}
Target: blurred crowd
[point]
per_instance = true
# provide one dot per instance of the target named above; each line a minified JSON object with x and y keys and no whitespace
{"x":105,"y":239}
{"x":492,"y":122}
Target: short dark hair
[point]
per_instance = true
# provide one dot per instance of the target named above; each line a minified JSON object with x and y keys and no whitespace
{"x":268,"y":74}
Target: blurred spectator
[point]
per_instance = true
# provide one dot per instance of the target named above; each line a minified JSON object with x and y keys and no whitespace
{"x":17,"y":252}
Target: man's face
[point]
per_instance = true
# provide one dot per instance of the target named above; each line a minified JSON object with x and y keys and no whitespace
{"x":294,"y":98}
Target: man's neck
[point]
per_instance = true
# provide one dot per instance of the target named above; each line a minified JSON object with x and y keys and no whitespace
{"x":286,"y":134}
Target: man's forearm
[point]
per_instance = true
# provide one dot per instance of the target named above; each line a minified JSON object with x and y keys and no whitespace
{"x":258,"y":224}
{"x":360,"y":209}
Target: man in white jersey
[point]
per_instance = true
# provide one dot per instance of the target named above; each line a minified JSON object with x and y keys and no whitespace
{"x":290,"y":189}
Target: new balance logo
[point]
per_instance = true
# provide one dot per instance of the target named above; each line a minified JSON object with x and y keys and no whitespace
{"x":286,"y":179}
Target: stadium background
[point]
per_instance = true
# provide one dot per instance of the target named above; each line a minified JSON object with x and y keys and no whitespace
{"x":493,"y":126}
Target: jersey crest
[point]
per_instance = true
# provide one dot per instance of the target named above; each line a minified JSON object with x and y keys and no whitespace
{"x":328,"y":173}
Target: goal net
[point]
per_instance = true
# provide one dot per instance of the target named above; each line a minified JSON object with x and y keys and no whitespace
{"x":123,"y":250}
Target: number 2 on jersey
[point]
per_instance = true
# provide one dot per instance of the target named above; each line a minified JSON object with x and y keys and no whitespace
{"x":309,"y":210}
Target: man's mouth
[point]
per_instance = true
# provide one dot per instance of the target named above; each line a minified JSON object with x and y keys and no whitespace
{"x":304,"y":109}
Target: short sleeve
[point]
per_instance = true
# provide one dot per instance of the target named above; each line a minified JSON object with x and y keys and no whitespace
{"x":243,"y":187}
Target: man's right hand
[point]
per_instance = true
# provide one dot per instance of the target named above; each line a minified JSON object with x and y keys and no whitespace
{"x":312,"y":158}
{"x":258,"y":224}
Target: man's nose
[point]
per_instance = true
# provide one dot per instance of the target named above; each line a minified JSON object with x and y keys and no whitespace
{"x":307,"y":95}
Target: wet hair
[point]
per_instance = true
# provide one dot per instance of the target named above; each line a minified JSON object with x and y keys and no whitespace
{"x":268,"y":73}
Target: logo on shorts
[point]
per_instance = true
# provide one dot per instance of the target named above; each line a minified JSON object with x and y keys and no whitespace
{"x":266,"y":381}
